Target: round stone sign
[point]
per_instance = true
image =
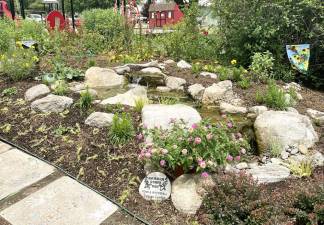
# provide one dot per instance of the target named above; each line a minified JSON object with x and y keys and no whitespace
{"x":155,"y":186}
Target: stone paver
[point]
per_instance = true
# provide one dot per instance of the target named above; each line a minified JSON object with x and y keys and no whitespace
{"x":63,"y":202}
{"x":19,"y":170}
{"x":4,"y":147}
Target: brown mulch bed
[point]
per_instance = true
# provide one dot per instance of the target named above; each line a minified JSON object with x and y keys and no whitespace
{"x":113,"y":170}
{"x":87,"y":153}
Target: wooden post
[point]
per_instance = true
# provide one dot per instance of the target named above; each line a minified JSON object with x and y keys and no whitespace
{"x":63,"y":9}
{"x":22,"y":9}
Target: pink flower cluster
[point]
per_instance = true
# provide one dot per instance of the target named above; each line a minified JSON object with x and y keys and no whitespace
{"x":231,"y":158}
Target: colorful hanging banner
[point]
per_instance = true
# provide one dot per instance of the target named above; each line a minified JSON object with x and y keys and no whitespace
{"x":299,"y":56}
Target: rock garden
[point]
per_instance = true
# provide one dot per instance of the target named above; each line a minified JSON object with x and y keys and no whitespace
{"x":176,"y":139}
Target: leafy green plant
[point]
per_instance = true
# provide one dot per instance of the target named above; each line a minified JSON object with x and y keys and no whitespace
{"x":62,"y":72}
{"x":196,"y":68}
{"x":18,"y":63}
{"x":139,"y":104}
{"x":274,"y":97}
{"x":262,"y":65}
{"x":6,"y":35}
{"x":85,"y":100}
{"x":245,"y":83}
{"x":301,"y":169}
{"x":61,"y":87}
{"x":121,"y":130}
{"x":9,"y":91}
{"x":201,"y":148}
{"x":168,"y":100}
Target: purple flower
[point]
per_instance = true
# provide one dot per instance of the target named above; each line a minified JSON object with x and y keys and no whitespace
{"x":238,"y":135}
{"x":229,"y":158}
{"x":144,"y":126}
{"x":238,"y":158}
{"x":197,"y":140}
{"x":204,"y":174}
{"x":139,"y":136}
{"x":194,"y":126}
{"x":202,"y":164}
{"x":229,"y":124}
{"x":162,"y":163}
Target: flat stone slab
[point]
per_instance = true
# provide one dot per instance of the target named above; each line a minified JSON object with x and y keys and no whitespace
{"x":4,"y":147}
{"x":63,"y":202}
{"x":19,"y":170}
{"x":269,"y":173}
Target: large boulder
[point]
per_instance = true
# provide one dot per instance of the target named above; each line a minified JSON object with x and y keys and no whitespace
{"x":208,"y":74}
{"x":218,"y":92}
{"x":184,"y":194}
{"x":96,"y":77}
{"x":196,"y":91}
{"x":99,"y":119}
{"x":36,"y":91}
{"x":151,"y":70}
{"x":161,"y":115}
{"x":269,"y":173}
{"x":232,"y":109}
{"x":122,"y":69}
{"x":52,"y":103}
{"x":184,"y":65}
{"x":317,"y":116}
{"x":175,"y":83}
{"x":129,"y":98}
{"x":286,"y":128}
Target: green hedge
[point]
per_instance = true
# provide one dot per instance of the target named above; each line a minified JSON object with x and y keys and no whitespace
{"x":253,"y":26}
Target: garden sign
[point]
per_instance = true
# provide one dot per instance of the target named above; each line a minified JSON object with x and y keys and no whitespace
{"x":299,"y":56}
{"x":155,"y":186}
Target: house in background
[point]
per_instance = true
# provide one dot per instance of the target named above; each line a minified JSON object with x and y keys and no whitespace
{"x":161,"y":14}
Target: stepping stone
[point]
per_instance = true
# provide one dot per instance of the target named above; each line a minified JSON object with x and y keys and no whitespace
{"x":19,"y":170}
{"x":4,"y":148}
{"x":63,"y":202}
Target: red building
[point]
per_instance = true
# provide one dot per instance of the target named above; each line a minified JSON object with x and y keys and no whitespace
{"x":161,"y":14}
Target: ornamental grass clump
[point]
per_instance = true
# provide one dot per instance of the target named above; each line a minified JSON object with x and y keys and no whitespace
{"x":121,"y":130}
{"x":200,"y":148}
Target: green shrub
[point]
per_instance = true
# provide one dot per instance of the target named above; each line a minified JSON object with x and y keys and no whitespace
{"x":245,"y":83}
{"x":85,"y":100}
{"x":202,"y":147}
{"x":166,"y":100}
{"x":262,"y":65}
{"x":7,"y":35}
{"x":110,"y":25}
{"x":31,"y":30}
{"x":187,"y":41}
{"x":121,"y":130}
{"x":18,"y":63}
{"x":274,"y":97}
{"x":236,"y":199}
{"x":253,"y":26}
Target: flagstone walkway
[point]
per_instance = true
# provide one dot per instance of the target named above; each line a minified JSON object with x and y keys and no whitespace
{"x":35,"y":193}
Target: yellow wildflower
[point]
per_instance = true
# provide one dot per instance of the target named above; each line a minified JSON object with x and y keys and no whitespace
{"x":233,"y":62}
{"x":26,"y":65}
{"x":35,"y":58}
{"x":3,"y":57}
{"x":19,"y":43}
{"x":245,"y":71}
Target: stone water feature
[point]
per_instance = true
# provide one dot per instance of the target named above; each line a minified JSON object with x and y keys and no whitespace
{"x":122,"y":85}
